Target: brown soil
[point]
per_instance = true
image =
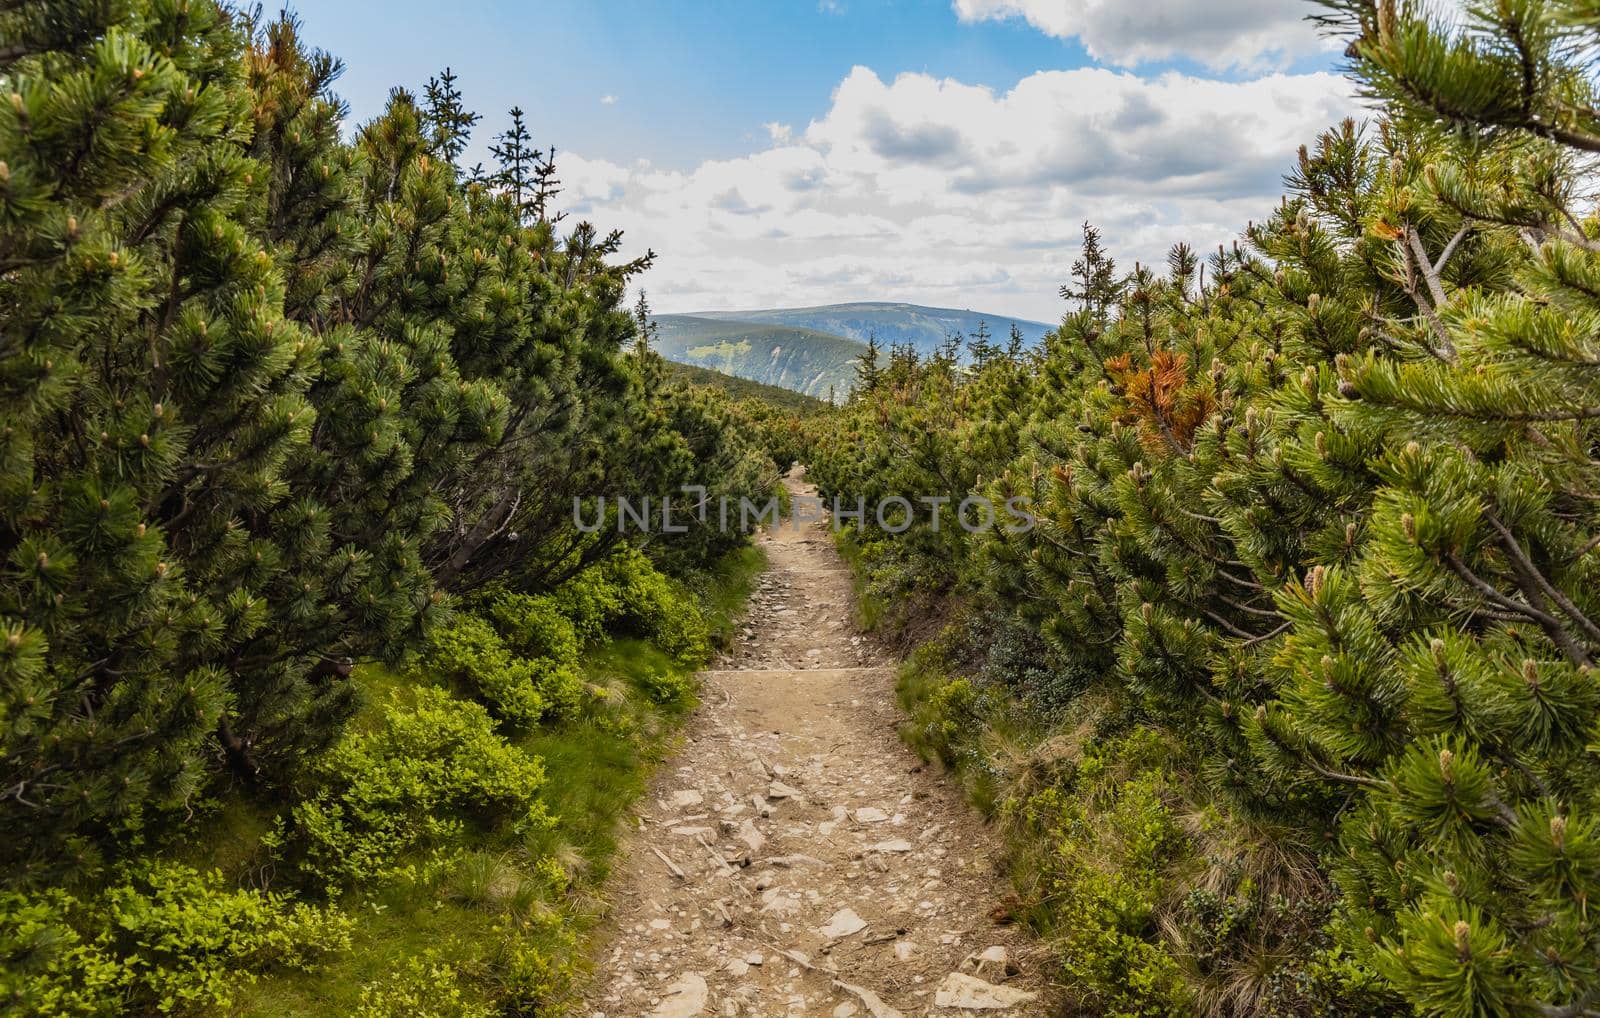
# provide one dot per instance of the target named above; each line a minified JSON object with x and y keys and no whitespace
{"x":795,"y":858}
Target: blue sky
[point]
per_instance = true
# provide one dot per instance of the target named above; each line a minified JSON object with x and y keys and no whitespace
{"x":675,"y":117}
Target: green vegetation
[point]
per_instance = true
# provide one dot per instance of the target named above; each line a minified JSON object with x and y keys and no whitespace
{"x":489,"y":917}
{"x":432,"y":856}
{"x":1288,"y":702}
{"x":719,"y":353}
{"x":817,"y":364}
{"x":302,"y":652}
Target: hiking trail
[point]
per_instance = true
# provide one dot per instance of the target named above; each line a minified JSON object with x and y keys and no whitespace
{"x":794,"y":857}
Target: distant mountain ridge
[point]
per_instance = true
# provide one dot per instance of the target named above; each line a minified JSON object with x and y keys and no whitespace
{"x":814,"y":350}
{"x":892,"y":322}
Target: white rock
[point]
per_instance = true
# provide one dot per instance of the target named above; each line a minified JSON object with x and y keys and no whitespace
{"x":754,"y":958}
{"x":993,"y":961}
{"x":874,"y":1004}
{"x":846,"y":1010}
{"x":737,"y":967}
{"x":960,"y":990}
{"x":692,"y":832}
{"x":686,"y":797}
{"x":775,"y":900}
{"x":752,"y":837}
{"x":896,"y":845}
{"x":685,"y":998}
{"x":904,"y":950}
{"x":844,"y":922}
{"x":779,"y":790}
{"x":870,"y":815}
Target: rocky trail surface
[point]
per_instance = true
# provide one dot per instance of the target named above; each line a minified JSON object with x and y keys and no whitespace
{"x":795,"y":858}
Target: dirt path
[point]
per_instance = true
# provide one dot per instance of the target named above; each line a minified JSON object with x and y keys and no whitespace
{"x":795,"y":858}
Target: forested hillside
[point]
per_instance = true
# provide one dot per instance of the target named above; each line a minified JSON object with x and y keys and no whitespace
{"x":313,"y":698}
{"x":744,"y":389}
{"x":818,"y":364}
{"x":1288,"y":701}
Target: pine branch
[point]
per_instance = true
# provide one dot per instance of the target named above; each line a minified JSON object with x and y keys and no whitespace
{"x":1549,"y":623}
{"x":1583,"y":1007}
{"x":1450,"y":249}
{"x":1446,"y":350}
{"x":1429,"y":274}
{"x":1590,"y":545}
{"x":1246,"y":608}
{"x":1230,"y":627}
{"x":1516,"y":416}
{"x":1267,"y":636}
{"x":1240,"y":581}
{"x":1309,"y":761}
{"x":1520,"y":557}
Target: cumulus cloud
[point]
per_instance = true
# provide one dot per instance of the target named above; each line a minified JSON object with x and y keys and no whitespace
{"x":935,"y":191}
{"x":1218,"y":33}
{"x":608,"y":100}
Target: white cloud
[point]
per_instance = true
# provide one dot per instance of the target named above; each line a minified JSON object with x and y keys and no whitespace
{"x":939,"y":192}
{"x":608,"y":100}
{"x":780,"y":133}
{"x":1216,"y":33}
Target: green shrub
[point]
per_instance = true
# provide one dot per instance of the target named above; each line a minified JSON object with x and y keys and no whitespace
{"x":521,"y":690}
{"x":46,"y":967}
{"x":667,"y":686}
{"x":521,"y":655}
{"x":945,"y":717}
{"x":1337,"y":982}
{"x":166,"y":939}
{"x":591,"y":602}
{"x":655,"y":607}
{"x":1113,"y":842}
{"x":535,"y":627}
{"x":526,"y":974}
{"x":423,"y":989}
{"x":429,"y":766}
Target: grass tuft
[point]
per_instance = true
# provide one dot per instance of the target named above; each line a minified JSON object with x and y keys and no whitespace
{"x":481,"y":880}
